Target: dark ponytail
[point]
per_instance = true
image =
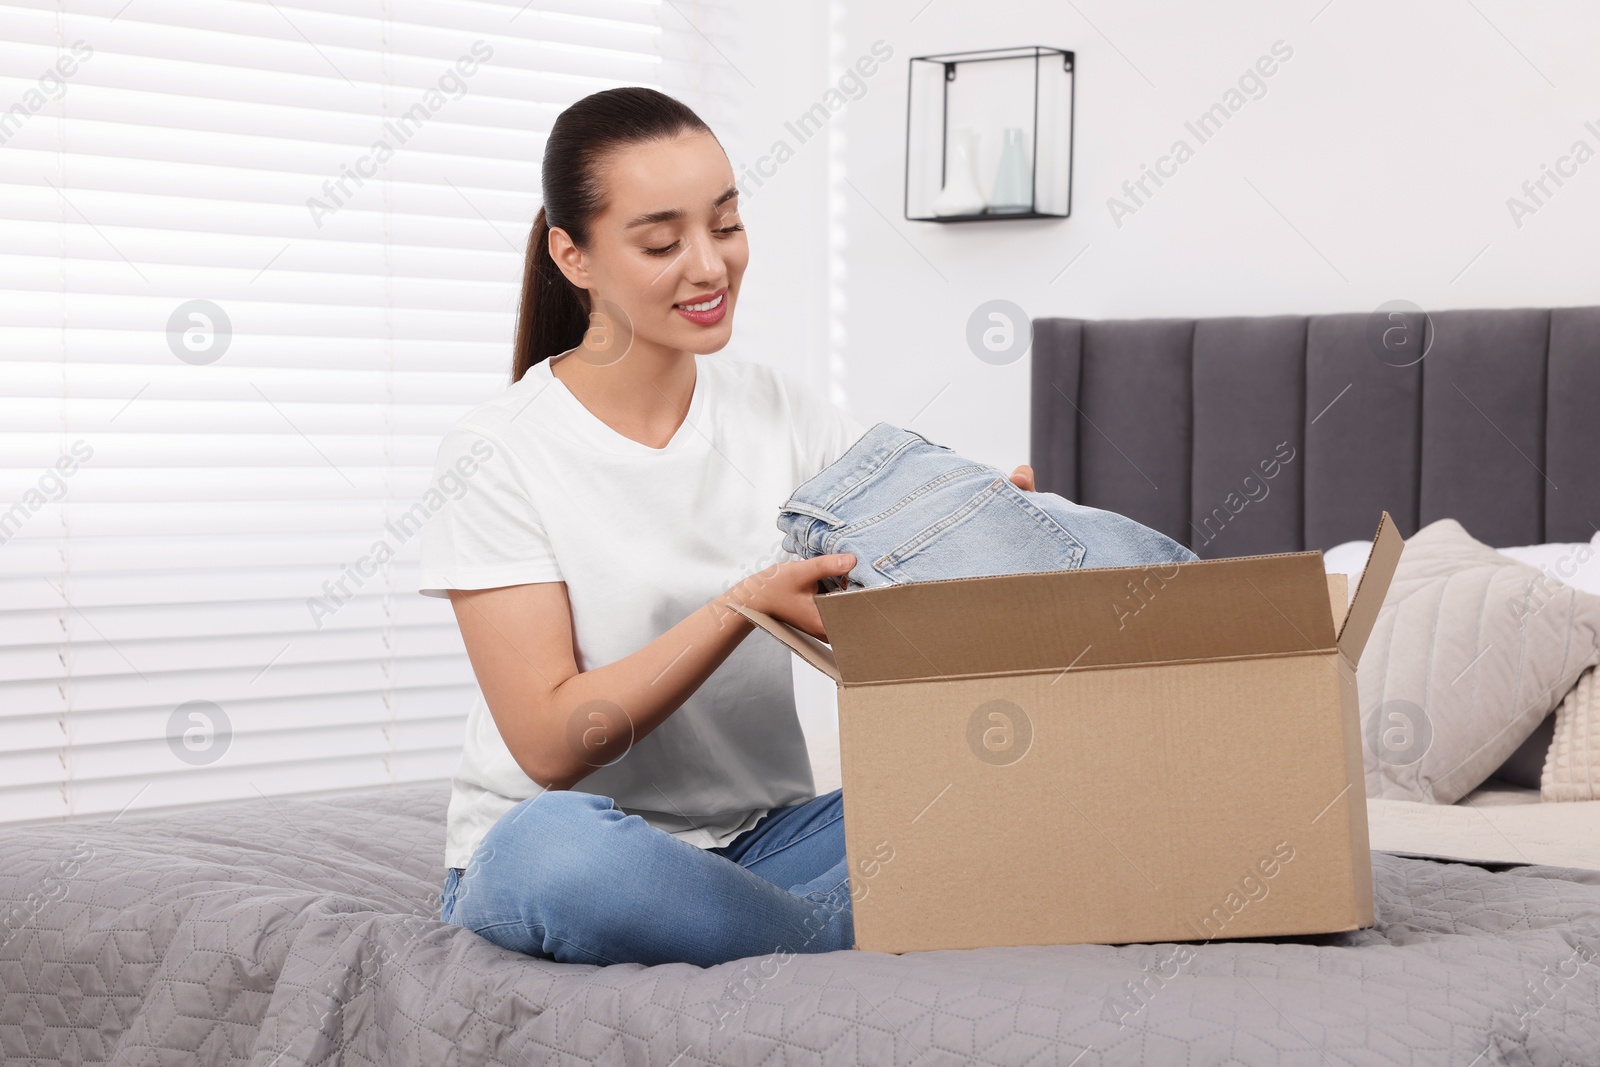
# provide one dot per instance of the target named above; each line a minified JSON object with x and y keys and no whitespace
{"x":554,"y":313}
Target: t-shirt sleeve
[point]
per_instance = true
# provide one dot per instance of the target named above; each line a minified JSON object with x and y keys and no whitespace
{"x":823,"y":430}
{"x":482,"y":530}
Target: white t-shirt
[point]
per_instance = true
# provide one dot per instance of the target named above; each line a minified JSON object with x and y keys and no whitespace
{"x":539,"y":489}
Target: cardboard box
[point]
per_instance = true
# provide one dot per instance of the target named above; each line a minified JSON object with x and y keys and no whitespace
{"x":1104,"y":755}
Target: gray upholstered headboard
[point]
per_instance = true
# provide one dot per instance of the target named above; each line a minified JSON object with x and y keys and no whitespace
{"x":1169,"y":421}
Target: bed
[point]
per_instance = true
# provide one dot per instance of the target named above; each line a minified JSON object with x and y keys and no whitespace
{"x":260,"y":934}
{"x":305,"y":931}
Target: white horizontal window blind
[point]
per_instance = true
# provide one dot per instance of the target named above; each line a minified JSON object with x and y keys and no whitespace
{"x":256,"y":256}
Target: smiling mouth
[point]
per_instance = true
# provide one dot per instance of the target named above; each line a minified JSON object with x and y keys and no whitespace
{"x":705,"y":305}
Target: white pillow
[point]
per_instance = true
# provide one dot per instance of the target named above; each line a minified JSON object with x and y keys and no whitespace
{"x":1576,"y":564}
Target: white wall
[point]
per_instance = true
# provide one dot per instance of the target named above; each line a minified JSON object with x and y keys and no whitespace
{"x":774,"y":69}
{"x":1377,"y":165}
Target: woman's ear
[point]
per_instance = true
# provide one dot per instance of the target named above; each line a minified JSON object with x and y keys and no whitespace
{"x":568,"y":258}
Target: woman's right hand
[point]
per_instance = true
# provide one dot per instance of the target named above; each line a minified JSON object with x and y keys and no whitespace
{"x":786,"y":590}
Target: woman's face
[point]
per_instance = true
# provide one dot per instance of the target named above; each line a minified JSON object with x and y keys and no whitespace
{"x":670,"y":235}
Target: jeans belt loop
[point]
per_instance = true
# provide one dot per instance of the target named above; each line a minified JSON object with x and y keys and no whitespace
{"x":800,"y":507}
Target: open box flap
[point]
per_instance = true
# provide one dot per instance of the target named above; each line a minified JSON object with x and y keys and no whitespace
{"x":1382,"y":560}
{"x":803,"y":644}
{"x":1081,"y":619}
{"x":1260,"y":605}
{"x":1338,"y":595}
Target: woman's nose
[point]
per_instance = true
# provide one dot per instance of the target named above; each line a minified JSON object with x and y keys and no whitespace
{"x":705,"y":258}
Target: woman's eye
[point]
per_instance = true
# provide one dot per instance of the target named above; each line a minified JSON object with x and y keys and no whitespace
{"x":663,"y":251}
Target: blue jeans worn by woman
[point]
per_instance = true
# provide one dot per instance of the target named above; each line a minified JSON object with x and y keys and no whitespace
{"x":566,"y":876}
{"x":912,"y":510}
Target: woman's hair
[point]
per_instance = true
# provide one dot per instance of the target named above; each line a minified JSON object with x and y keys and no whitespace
{"x":554,"y":313}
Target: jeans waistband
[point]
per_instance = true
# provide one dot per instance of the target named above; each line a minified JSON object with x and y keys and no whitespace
{"x":870,"y":453}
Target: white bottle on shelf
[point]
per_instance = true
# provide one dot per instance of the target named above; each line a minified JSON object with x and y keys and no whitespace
{"x":961,"y":194}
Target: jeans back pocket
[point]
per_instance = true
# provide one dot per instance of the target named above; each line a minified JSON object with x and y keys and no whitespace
{"x":997,"y":531}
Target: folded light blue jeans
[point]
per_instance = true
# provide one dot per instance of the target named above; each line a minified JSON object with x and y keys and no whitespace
{"x":567,"y":876}
{"x":912,"y":510}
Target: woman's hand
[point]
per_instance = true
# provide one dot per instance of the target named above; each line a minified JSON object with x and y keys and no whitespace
{"x":786,"y":590}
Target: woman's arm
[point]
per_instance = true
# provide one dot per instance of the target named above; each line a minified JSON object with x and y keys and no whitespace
{"x":561,"y":724}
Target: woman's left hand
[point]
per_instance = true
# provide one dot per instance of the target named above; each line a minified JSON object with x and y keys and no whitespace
{"x":1022,"y":478}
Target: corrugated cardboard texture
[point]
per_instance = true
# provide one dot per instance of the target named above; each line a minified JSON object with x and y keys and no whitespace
{"x":1387,"y":545}
{"x":802,"y":644}
{"x":1113,"y":616}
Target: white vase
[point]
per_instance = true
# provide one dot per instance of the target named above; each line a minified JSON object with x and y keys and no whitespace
{"x":1013,"y":183}
{"x":961,"y":194}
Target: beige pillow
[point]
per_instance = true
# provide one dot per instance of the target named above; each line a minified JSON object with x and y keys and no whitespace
{"x":1572,"y":766}
{"x":1470,"y":652}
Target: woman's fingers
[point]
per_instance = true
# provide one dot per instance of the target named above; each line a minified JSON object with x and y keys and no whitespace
{"x":1022,"y":478}
{"x":833,"y":564}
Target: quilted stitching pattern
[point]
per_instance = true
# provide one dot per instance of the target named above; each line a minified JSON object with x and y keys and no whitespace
{"x":1572,"y":765}
{"x":304,"y":931}
{"x":1481,"y":647}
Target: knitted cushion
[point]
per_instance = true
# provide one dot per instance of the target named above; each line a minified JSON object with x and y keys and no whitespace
{"x":1572,"y":766}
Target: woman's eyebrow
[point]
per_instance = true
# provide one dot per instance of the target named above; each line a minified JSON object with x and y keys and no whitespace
{"x":675,"y":213}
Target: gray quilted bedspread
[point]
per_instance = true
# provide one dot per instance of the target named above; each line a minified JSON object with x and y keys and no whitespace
{"x":289,"y":932}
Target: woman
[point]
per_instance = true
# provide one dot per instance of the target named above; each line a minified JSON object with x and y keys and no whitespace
{"x":635,"y":785}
